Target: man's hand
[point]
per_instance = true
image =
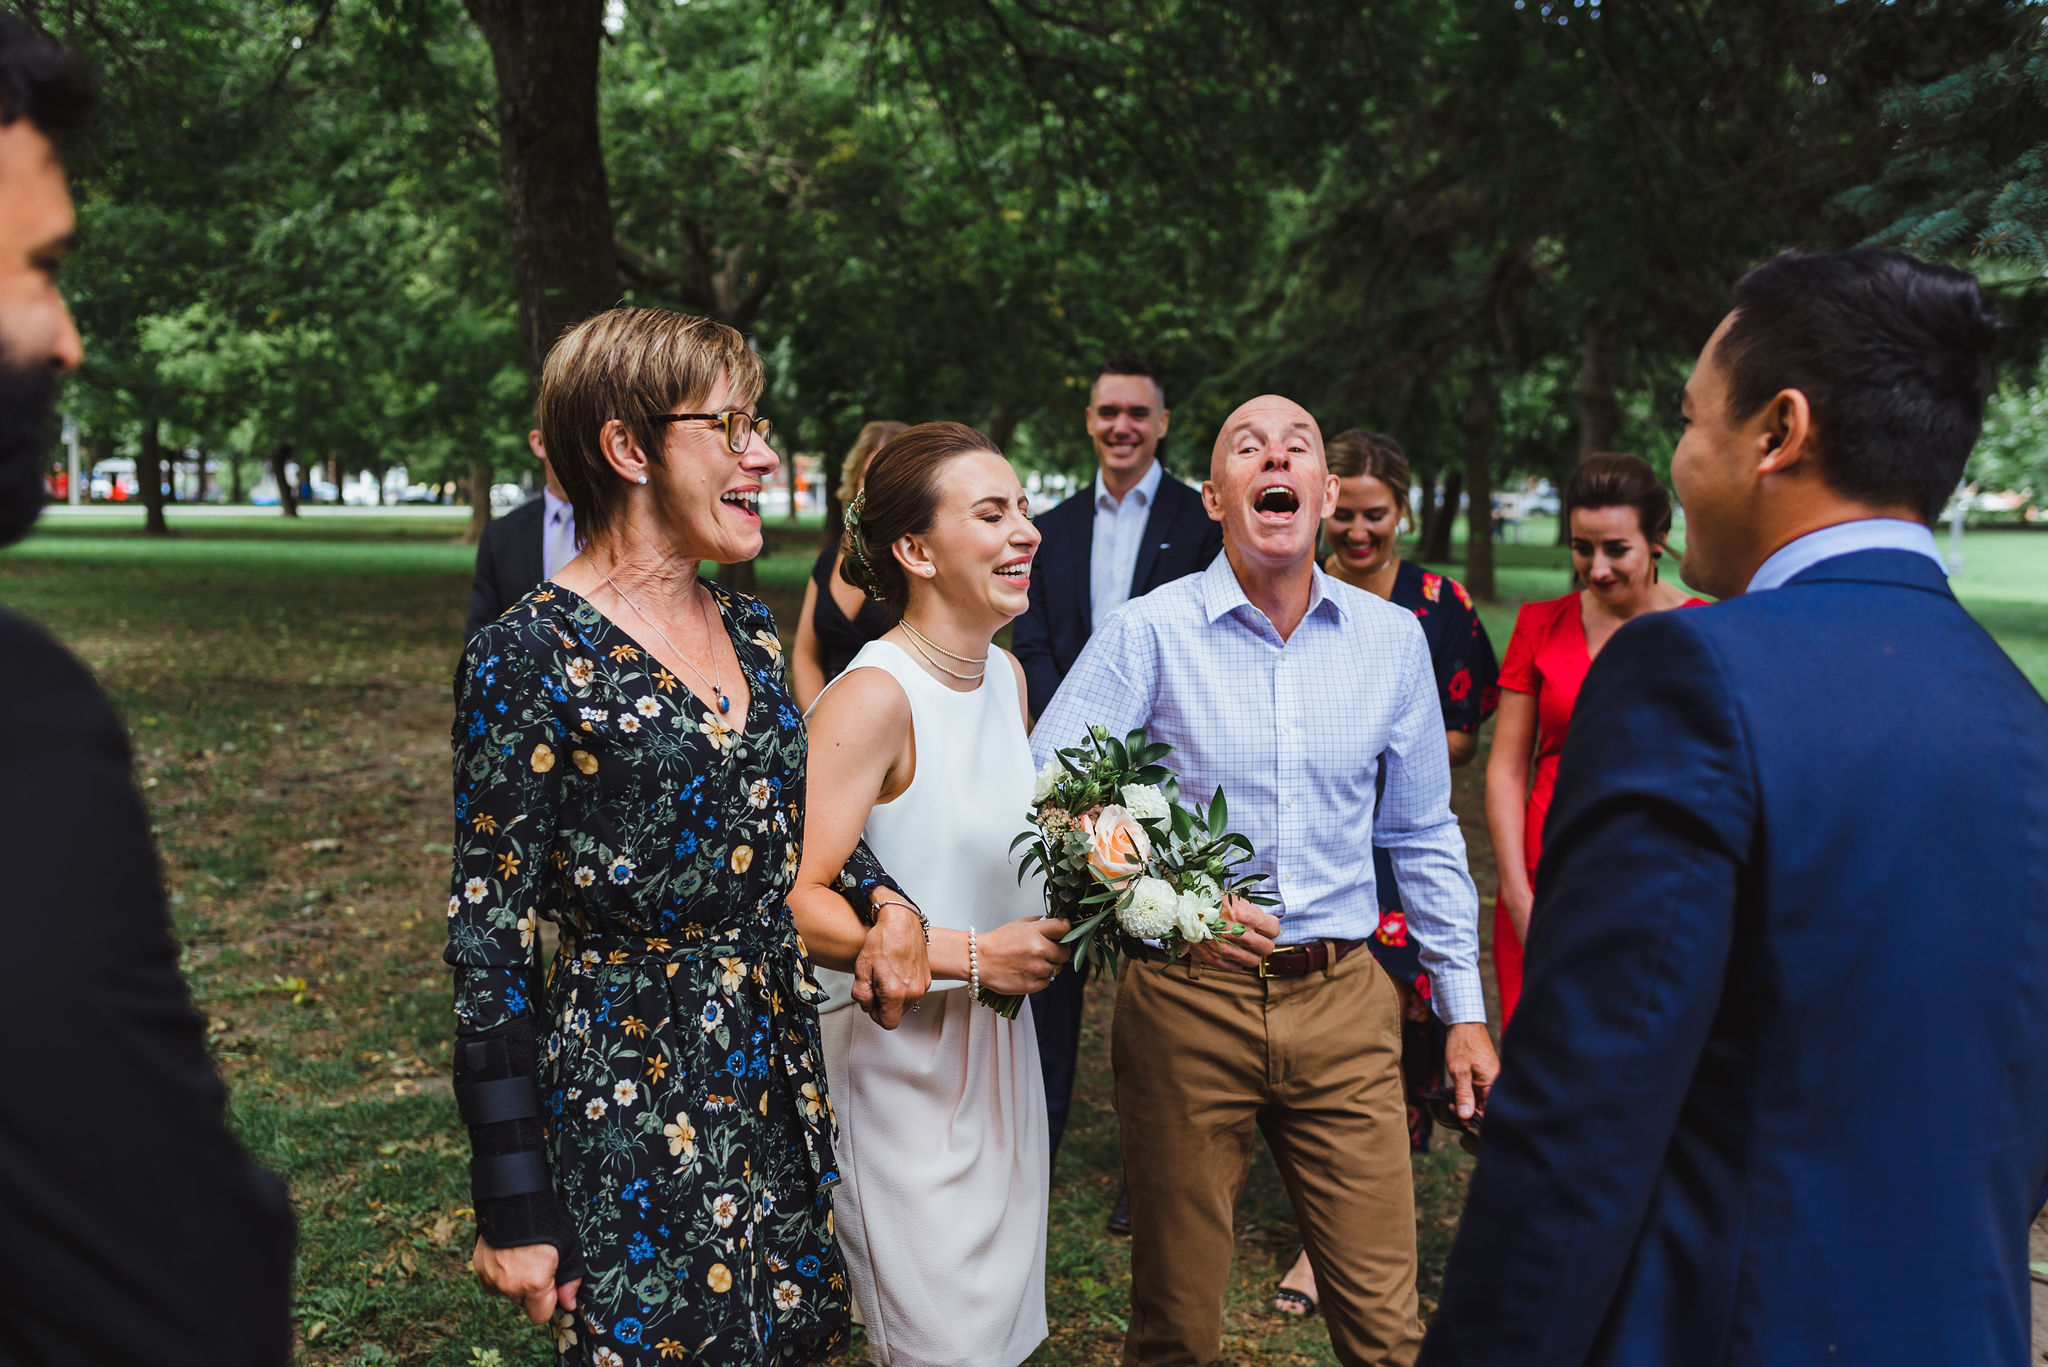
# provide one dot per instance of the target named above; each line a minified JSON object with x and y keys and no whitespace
{"x":1246,"y":951}
{"x":1471,"y":1065}
{"x":525,"y":1274}
{"x":892,"y":972}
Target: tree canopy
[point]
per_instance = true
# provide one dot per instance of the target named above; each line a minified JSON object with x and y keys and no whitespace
{"x":350,"y":228}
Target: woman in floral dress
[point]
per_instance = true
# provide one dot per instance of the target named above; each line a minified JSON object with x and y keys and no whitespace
{"x":652,"y":1145}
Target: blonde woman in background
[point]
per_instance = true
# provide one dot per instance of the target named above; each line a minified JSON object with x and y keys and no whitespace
{"x":837,"y":619}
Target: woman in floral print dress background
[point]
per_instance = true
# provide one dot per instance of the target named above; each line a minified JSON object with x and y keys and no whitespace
{"x":1362,"y":529}
{"x":652,"y":1145}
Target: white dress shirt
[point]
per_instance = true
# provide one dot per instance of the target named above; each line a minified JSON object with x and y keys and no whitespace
{"x":1119,"y":532}
{"x":558,"y":543}
{"x":1297,"y":733}
{"x":1844,"y":538}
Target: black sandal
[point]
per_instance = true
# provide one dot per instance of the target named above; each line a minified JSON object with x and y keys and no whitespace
{"x":1303,"y":1305}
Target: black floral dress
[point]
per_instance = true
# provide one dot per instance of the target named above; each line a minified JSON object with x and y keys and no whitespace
{"x":1466,"y":675}
{"x":680,"y":1075}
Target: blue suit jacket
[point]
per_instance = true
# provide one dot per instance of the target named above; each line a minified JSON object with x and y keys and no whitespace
{"x":1777,"y":1089}
{"x":1180,"y":539}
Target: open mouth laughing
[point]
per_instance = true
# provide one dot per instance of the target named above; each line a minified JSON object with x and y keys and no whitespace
{"x":747,"y":501}
{"x":1276,"y":502}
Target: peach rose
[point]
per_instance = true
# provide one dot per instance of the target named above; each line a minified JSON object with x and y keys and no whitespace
{"x":1117,"y":845}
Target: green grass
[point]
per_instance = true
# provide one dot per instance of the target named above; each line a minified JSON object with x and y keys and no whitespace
{"x":287,"y":688}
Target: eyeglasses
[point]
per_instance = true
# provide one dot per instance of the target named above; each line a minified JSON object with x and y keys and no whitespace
{"x":740,"y":427}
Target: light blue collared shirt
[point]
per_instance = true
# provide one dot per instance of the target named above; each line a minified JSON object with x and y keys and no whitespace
{"x":1119,"y":532}
{"x":1844,"y":538}
{"x":558,"y":541}
{"x":1297,"y":733}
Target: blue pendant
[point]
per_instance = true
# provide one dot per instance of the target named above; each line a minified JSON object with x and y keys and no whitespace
{"x":724,"y":703}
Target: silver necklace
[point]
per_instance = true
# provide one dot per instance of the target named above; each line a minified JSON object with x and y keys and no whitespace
{"x":963,"y":659}
{"x":724,"y":703}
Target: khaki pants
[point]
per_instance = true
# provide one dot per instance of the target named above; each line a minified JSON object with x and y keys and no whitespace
{"x":1203,"y":1056}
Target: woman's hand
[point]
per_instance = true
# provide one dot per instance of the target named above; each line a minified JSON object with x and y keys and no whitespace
{"x":1022,"y":957}
{"x":893,"y":970}
{"x":1519,"y":899}
{"x":527,"y":1275}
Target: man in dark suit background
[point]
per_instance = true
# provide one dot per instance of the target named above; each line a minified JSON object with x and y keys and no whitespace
{"x":133,"y":1227}
{"x":1777,"y":1091}
{"x":522,"y":548}
{"x":1131,"y":530}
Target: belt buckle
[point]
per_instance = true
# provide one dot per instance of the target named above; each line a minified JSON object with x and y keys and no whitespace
{"x":1263,"y":971}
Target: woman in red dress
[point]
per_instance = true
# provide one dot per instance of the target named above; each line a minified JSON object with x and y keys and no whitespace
{"x":1620,"y":521}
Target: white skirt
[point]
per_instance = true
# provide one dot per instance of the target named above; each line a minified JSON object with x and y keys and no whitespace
{"x":943,"y":1162}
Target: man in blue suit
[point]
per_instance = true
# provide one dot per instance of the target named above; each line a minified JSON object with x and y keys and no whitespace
{"x":1777,"y":1091}
{"x":1128,"y":532}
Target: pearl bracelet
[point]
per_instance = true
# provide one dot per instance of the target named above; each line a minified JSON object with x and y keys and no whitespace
{"x":973,"y":964}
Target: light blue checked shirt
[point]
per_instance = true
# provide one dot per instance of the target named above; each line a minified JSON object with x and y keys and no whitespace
{"x":1296,"y":734}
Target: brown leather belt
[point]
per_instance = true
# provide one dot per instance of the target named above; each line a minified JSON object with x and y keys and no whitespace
{"x":1289,"y":961}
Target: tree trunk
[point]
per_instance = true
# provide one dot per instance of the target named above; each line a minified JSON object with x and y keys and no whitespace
{"x":1002,"y":424}
{"x":1481,"y":412}
{"x":1436,"y":546}
{"x":199,"y":494}
{"x":564,"y":259}
{"x":479,"y":498}
{"x":287,"y":492}
{"x":234,"y":478}
{"x":1422,"y":508}
{"x":740,"y":576}
{"x":1599,"y":408}
{"x":149,"y":474}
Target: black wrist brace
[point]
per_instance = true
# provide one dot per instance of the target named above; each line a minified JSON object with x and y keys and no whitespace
{"x":497,"y":1092}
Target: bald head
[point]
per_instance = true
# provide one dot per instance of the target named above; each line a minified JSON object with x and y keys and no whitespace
{"x":1268,"y":484}
{"x":1268,"y":416}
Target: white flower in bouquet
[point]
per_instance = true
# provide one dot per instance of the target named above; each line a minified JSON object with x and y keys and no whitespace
{"x":1117,"y":845}
{"x":1145,"y":802}
{"x":1151,"y":910}
{"x":1048,"y":779}
{"x":1191,"y":914}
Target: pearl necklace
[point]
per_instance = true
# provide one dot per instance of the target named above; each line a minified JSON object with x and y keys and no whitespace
{"x":918,"y":642}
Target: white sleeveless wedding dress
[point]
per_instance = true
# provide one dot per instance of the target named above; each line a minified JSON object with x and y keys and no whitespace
{"x":942,"y":1146}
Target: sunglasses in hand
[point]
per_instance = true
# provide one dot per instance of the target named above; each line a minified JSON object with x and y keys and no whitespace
{"x":1443,"y":1109}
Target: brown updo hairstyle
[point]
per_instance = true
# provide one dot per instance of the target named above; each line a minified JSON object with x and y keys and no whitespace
{"x":1358,"y":452}
{"x":1615,"y":479}
{"x":898,"y":498}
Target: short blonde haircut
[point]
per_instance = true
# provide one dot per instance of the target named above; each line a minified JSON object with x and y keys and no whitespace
{"x":631,"y":364}
{"x":873,"y":436}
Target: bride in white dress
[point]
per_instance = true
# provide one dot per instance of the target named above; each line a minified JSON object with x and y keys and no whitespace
{"x":919,"y":747}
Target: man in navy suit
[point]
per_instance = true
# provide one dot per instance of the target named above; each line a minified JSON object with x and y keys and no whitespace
{"x":1130,"y":531}
{"x":520,"y":549}
{"x":135,"y":1228}
{"x":1777,"y":1091}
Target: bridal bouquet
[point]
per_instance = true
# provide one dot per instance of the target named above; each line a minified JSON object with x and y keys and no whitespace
{"x":1123,"y":860}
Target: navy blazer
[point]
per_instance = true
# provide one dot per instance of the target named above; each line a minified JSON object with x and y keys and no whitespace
{"x":1180,"y":539}
{"x":1777,"y":1089}
{"x":508,"y":562}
